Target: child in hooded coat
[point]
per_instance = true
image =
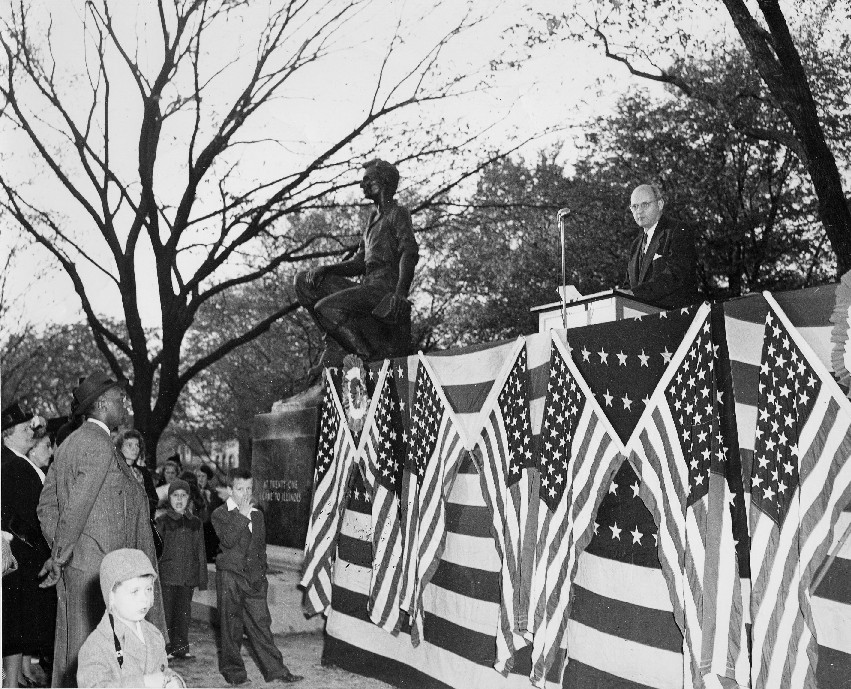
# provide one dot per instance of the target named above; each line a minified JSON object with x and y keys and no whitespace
{"x":125,"y":650}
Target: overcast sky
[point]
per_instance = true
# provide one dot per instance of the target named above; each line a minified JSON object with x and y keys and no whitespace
{"x":559,"y":84}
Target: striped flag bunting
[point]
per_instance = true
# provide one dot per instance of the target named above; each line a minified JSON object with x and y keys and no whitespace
{"x":621,"y":630}
{"x":580,"y":452}
{"x":335,"y":460}
{"x":436,"y":448}
{"x":809,"y":311}
{"x":680,"y":456}
{"x":800,"y":482}
{"x":502,"y":453}
{"x":382,"y":459}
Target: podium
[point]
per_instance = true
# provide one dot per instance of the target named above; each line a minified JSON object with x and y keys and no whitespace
{"x":602,"y":307}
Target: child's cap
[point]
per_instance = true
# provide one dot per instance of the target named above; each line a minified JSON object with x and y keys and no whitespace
{"x":121,"y":565}
{"x":178,"y":484}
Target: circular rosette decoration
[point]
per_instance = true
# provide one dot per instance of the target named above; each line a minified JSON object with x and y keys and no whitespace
{"x":355,"y":394}
{"x":841,"y":334}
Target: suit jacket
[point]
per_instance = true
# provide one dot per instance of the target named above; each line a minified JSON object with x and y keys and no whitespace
{"x":243,"y":550}
{"x":92,"y":503}
{"x":98,"y":666}
{"x":666,"y":275}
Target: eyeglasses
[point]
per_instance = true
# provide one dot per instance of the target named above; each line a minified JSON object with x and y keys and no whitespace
{"x":642,"y":206}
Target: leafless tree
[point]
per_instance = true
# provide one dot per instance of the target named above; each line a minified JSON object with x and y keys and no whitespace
{"x":218,"y":101}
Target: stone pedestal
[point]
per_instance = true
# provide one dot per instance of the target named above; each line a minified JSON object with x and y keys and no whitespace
{"x":282,"y":463}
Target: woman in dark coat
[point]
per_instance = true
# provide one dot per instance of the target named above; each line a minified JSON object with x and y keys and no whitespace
{"x":131,"y":446}
{"x":29,"y":612}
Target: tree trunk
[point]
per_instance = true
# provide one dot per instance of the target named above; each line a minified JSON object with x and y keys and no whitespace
{"x":777,"y":59}
{"x":833,"y":207}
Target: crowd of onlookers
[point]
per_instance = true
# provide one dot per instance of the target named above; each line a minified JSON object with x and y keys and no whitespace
{"x":101,"y":555}
{"x":207,"y":487}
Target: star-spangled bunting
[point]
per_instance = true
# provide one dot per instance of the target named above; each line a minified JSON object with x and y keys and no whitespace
{"x":502,"y":454}
{"x":434,"y":452}
{"x":800,"y":480}
{"x":623,"y":365}
{"x":383,"y":462}
{"x":621,"y":626}
{"x":681,"y":458}
{"x":335,"y":455}
{"x":578,"y":456}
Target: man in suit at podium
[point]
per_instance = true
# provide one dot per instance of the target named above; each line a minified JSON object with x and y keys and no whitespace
{"x":662,"y":259}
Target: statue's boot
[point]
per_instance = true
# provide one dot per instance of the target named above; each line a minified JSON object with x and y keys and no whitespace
{"x":352,"y":340}
{"x":332,"y":355}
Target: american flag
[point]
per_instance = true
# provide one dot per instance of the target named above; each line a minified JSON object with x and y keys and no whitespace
{"x":580,"y":451}
{"x":435,"y":450}
{"x":681,"y":458}
{"x":335,"y":455}
{"x":503,"y":453}
{"x":383,"y":461}
{"x":800,"y":482}
{"x":621,"y":630}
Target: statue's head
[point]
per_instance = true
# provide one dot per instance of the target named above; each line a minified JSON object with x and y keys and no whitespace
{"x":384,"y":174}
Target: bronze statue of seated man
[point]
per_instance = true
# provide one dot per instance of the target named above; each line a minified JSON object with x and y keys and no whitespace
{"x":371,"y":319}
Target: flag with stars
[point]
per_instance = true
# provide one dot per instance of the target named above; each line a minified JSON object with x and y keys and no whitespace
{"x":335,"y":455}
{"x":623,"y":365}
{"x":435,"y":451}
{"x":383,"y":462}
{"x":579,"y":454}
{"x":502,"y":453}
{"x":680,"y":454}
{"x":800,"y":483}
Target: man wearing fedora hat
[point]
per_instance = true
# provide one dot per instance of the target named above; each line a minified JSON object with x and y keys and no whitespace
{"x":91,"y":505}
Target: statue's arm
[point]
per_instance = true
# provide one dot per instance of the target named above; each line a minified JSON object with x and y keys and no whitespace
{"x":409,"y":252}
{"x":353,"y":267}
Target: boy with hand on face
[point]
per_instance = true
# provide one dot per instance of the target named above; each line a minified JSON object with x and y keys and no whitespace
{"x":241,"y":586}
{"x":183,"y":566}
{"x":125,"y":650}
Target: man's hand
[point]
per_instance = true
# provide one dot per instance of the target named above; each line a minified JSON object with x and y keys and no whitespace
{"x":53,"y":570}
{"x":315,"y":275}
{"x":398,"y":304}
{"x":392,"y":307}
{"x":172,"y":679}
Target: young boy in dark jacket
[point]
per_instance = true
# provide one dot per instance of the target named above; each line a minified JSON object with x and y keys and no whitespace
{"x":183,"y":566}
{"x":241,"y":586}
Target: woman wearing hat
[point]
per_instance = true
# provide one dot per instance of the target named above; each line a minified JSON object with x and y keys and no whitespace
{"x":28,"y":611}
{"x":91,"y":505}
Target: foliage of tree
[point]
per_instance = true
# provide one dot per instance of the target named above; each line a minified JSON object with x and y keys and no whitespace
{"x":43,"y":367}
{"x":755,"y":218}
{"x":167,"y":150}
{"x":223,"y":399}
{"x":799,"y":51}
{"x":500,"y":253}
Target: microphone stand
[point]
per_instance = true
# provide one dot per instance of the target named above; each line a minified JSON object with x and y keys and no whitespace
{"x":562,"y":214}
